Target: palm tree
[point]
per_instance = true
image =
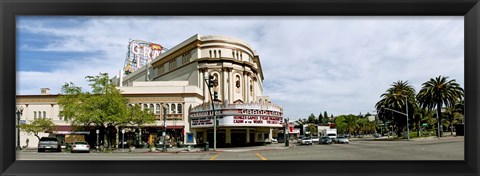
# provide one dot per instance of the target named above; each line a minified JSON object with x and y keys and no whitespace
{"x":421,"y":116}
{"x":452,"y":116}
{"x":437,"y":92}
{"x":351,"y":124}
{"x":394,"y":98}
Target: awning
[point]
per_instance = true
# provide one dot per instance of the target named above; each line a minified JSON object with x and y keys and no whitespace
{"x":62,"y":129}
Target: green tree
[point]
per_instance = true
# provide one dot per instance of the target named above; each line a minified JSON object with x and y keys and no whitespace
{"x":312,"y":129}
{"x":311,"y":118}
{"x":439,"y":92}
{"x":347,"y":124}
{"x":394,"y":98}
{"x":325,"y":115}
{"x":452,"y":116}
{"x":138,"y":117}
{"x":104,"y":107}
{"x":39,"y":125}
{"x":320,"y":118}
{"x":422,"y":116}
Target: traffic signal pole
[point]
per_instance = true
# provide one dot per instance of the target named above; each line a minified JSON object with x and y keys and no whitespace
{"x":209,"y":81}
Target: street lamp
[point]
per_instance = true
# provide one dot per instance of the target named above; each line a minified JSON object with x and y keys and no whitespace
{"x":209,"y":82}
{"x":287,"y":133}
{"x":164,"y":133}
{"x":123,"y":139}
{"x":19,"y":114}
{"x":98,"y":132}
{"x":406,"y":114}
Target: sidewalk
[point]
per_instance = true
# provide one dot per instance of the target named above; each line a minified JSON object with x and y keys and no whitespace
{"x":274,"y":146}
{"x":385,"y":138}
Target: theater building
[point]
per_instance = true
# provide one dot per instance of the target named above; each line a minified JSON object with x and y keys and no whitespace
{"x":176,"y":79}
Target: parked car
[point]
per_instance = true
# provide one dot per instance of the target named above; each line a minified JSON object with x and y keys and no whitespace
{"x":49,"y":144}
{"x":299,"y":140}
{"x":80,"y":146}
{"x":377,"y":135}
{"x":306,"y":141}
{"x":315,"y":139}
{"x":342,"y":140}
{"x":325,"y":140}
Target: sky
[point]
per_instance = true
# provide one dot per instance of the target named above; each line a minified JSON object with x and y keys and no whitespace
{"x":311,"y":64}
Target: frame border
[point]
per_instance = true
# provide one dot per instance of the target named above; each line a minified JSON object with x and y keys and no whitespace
{"x":470,"y":9}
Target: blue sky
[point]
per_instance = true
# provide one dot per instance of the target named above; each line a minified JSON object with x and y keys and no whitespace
{"x":311,"y":64}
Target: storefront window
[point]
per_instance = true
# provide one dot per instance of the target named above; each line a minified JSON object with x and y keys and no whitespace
{"x":179,"y":109}
{"x":173,"y":109}
{"x":157,"y":109}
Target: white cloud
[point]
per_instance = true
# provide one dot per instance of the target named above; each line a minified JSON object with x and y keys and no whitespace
{"x":311,"y":64}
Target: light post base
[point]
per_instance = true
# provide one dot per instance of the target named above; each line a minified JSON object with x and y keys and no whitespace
{"x":18,"y":148}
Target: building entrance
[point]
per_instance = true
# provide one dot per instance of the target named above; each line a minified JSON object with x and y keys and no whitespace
{"x":220,"y":138}
{"x":239,"y":137}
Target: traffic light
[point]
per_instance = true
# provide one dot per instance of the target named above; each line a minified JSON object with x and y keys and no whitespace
{"x":215,"y":95}
{"x":210,"y":81}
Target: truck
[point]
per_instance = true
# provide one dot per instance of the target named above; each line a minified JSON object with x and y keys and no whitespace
{"x":331,"y":133}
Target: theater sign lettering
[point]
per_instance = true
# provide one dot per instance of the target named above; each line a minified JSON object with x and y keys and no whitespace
{"x":232,"y":117}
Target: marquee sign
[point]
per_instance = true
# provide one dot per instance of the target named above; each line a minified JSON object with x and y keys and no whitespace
{"x":237,"y":117}
{"x":139,"y":54}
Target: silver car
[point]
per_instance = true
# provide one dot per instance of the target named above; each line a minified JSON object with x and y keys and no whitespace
{"x":306,"y":141}
{"x":342,"y":140}
{"x":80,"y":147}
{"x":49,"y":143}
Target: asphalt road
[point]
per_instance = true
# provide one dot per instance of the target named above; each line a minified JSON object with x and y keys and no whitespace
{"x":444,"y":149}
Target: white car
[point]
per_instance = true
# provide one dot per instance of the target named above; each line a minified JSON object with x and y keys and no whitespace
{"x":315,"y":139}
{"x":306,"y":141}
{"x":80,"y":147}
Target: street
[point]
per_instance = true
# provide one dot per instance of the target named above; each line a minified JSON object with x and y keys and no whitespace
{"x":449,"y":148}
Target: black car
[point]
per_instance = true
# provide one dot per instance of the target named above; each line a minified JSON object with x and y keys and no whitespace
{"x":325,"y":140}
{"x":49,"y":143}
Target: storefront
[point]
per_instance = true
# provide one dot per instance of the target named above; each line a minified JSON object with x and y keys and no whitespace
{"x":150,"y":135}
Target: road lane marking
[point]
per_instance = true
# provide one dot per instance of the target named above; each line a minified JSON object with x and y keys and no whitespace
{"x":214,"y":156}
{"x":260,"y":156}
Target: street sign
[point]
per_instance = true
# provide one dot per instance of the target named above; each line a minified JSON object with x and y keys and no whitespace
{"x":425,"y":124}
{"x":98,"y":131}
{"x":23,"y":122}
{"x":123,"y":131}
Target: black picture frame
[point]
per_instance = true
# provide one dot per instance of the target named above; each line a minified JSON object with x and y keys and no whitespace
{"x":470,"y":9}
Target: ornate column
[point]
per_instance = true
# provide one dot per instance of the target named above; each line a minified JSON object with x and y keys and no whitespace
{"x":231,"y":86}
{"x":202,"y":83}
{"x":224,"y":84}
{"x":254,"y":88}
{"x":245,"y":85}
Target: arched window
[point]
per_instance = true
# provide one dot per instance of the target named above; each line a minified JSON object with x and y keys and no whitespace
{"x":157,"y":109}
{"x":237,"y":81}
{"x":172,"y":109}
{"x":145,"y":107}
{"x":219,"y":53}
{"x":44,"y":114}
{"x":179,"y":108}
{"x":210,"y":53}
{"x":151,"y":108}
{"x":34,"y":114}
{"x":215,"y":53}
